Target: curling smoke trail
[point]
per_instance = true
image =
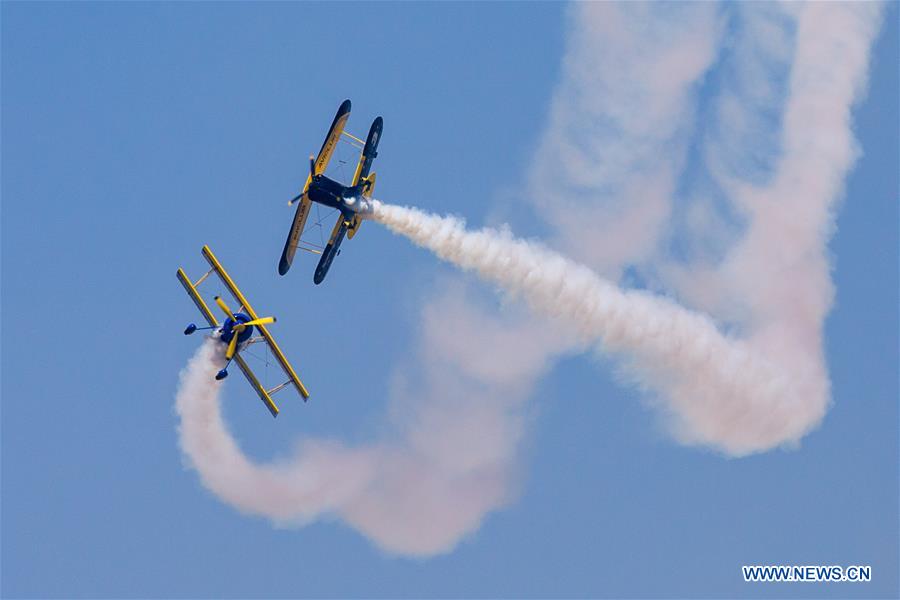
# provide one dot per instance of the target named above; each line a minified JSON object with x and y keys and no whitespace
{"x":320,"y":477}
{"x":417,"y":495}
{"x":722,"y":392}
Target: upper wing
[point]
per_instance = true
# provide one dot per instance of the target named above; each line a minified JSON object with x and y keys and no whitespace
{"x":245,"y":306}
{"x":334,"y":134}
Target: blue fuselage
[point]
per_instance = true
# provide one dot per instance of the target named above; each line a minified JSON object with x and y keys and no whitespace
{"x":329,"y":192}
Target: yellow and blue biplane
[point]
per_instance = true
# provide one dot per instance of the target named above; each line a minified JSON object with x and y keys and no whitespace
{"x":326,"y":191}
{"x":236,"y":332}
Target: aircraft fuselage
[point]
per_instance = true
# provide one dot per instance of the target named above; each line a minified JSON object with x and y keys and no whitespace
{"x":326,"y":191}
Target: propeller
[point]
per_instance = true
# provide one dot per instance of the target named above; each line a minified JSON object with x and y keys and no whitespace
{"x":232,"y":346}
{"x":312,"y":174}
{"x":238,"y":328}
{"x":224,"y":307}
{"x":260,"y":321}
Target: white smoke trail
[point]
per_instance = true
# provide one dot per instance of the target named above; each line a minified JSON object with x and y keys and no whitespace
{"x":419,"y":494}
{"x":320,"y":477}
{"x":724,"y":394}
{"x":620,"y":125}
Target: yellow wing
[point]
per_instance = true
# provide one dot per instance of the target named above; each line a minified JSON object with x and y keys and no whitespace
{"x":297,"y":227}
{"x":245,"y":305}
{"x":251,"y":377}
{"x":334,"y":135}
{"x":191,"y":289}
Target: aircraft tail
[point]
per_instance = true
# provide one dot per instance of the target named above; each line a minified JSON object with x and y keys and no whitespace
{"x":356,"y":221}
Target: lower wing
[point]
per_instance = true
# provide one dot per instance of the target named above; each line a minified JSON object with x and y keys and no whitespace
{"x":293,"y":239}
{"x":331,"y":249}
{"x":251,"y":377}
{"x":191,"y":289}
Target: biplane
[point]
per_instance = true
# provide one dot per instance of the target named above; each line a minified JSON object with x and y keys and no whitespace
{"x":236,"y":332}
{"x":321,"y":189}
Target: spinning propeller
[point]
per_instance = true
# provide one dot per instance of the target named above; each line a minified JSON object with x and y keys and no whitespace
{"x":237,"y":328}
{"x":312,"y":174}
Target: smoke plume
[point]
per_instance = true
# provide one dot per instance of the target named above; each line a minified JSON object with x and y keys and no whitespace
{"x":416,"y":494}
{"x":724,"y":392}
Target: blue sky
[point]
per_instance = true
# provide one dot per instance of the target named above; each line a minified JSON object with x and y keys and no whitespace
{"x":134,"y":133}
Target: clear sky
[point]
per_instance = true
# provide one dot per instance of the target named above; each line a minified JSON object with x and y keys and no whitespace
{"x":134,"y":133}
